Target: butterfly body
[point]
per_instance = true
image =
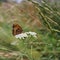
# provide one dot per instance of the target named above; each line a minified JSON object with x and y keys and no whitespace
{"x":16,"y":29}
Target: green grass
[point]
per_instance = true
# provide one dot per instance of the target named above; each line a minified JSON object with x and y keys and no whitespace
{"x":45,"y":47}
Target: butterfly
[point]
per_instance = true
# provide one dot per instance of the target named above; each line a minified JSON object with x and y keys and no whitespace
{"x":17,"y":29}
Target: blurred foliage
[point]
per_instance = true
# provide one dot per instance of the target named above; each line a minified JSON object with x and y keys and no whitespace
{"x":47,"y":44}
{"x":49,"y":15}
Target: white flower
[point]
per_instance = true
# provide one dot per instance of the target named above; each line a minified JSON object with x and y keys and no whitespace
{"x":22,"y":35}
{"x":26,"y":34}
{"x":32,"y":33}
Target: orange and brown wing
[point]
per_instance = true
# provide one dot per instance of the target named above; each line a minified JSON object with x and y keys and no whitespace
{"x":16,"y":29}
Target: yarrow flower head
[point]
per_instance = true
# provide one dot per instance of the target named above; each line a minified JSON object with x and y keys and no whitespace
{"x":32,"y":33}
{"x":21,"y":36}
{"x":26,"y":35}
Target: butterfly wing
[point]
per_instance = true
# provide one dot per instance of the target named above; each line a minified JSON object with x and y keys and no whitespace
{"x":16,"y":29}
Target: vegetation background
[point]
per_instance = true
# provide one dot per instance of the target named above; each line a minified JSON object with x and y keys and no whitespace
{"x":41,"y":17}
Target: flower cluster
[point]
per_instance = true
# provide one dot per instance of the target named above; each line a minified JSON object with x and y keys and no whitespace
{"x":26,"y":34}
{"x":32,"y":33}
{"x":23,"y":36}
